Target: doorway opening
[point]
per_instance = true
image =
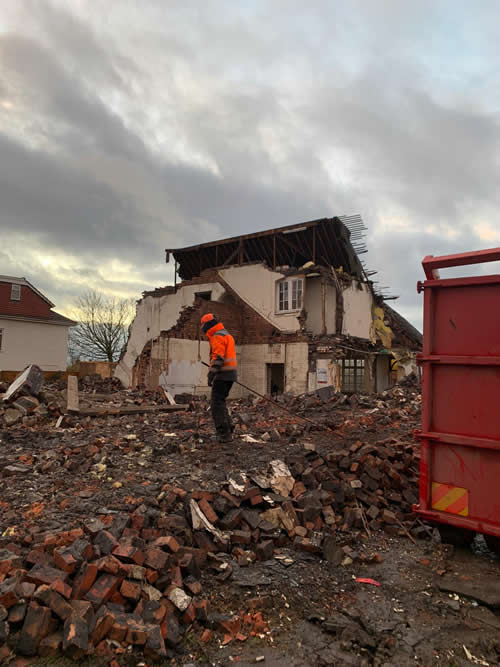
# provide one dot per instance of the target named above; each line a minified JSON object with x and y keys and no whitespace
{"x":275,"y":379}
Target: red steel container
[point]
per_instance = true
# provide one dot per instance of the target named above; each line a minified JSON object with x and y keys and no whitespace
{"x":460,"y":436}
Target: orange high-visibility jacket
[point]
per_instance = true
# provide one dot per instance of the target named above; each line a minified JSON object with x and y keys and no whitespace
{"x":222,"y":352}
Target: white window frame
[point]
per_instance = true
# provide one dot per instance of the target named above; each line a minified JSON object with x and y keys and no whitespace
{"x":15,"y":292}
{"x":290,"y":295}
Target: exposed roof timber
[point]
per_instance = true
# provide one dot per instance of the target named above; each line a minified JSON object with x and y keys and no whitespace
{"x":292,"y":245}
{"x":268,"y":232}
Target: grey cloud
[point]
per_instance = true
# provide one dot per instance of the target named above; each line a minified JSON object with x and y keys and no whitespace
{"x":90,"y":162}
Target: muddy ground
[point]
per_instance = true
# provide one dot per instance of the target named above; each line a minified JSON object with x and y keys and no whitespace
{"x":317,"y":613}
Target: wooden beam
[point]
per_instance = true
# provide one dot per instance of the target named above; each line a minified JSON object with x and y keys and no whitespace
{"x":232,"y":256}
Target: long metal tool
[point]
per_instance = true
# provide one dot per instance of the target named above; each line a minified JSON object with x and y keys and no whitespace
{"x":276,"y":404}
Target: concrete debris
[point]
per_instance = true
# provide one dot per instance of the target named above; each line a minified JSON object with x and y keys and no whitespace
{"x":26,"y":401}
{"x":29,"y":381}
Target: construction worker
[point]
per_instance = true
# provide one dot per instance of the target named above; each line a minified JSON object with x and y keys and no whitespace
{"x":222,"y":373}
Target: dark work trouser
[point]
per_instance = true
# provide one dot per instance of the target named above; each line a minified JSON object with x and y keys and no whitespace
{"x":220,"y":414}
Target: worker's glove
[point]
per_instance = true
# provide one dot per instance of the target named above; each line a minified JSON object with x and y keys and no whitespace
{"x":211,"y":377}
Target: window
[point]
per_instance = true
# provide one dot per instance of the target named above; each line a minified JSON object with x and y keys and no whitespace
{"x":290,"y":294}
{"x":15,"y":292}
{"x":1,"y":340}
{"x":206,"y":296}
{"x":353,"y":374}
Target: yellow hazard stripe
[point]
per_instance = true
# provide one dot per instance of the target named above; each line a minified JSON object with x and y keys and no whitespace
{"x":451,"y":499}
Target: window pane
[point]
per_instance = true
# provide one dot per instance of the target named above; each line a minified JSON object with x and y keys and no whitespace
{"x":297,"y":294}
{"x":15,"y":292}
{"x":283,"y":295}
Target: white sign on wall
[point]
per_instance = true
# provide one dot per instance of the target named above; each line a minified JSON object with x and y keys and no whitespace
{"x":322,"y":375}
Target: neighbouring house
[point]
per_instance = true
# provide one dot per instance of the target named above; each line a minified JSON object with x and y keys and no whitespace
{"x":30,"y":331}
{"x":299,"y":303}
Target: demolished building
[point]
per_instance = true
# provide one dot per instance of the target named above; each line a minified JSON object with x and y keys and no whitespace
{"x":298,"y":302}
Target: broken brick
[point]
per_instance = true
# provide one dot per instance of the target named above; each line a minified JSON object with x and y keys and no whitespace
{"x":105,"y":541}
{"x":41,"y":574}
{"x":8,"y":593}
{"x":103,"y":622}
{"x":103,"y":589}
{"x":130,"y":590}
{"x":84,"y":580}
{"x":156,"y":559}
{"x":50,"y":645}
{"x":37,"y":625}
{"x":64,"y":560}
{"x":75,"y":637}
{"x":155,"y":645}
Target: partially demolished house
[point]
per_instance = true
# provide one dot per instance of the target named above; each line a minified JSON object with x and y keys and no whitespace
{"x":298,"y":303}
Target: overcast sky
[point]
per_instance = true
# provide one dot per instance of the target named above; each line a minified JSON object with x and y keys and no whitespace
{"x":129,"y":126}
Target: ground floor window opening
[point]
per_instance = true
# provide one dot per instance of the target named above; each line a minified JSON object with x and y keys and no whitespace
{"x":353,"y":374}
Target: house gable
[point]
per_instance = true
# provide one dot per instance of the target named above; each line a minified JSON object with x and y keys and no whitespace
{"x":19,"y":298}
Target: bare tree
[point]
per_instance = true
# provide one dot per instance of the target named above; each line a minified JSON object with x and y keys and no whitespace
{"x":101,"y":331}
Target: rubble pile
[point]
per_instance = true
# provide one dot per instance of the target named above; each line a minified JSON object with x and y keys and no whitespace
{"x":28,"y":400}
{"x":117,"y":528}
{"x":125,"y":580}
{"x":95,"y":383}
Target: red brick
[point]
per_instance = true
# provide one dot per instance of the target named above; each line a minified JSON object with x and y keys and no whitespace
{"x":37,"y":625}
{"x":125,"y":552}
{"x":9,"y":561}
{"x":41,"y":574}
{"x":137,"y":632}
{"x":37,"y":557}
{"x":105,"y":541}
{"x":201,"y":607}
{"x":64,"y":560}
{"x":131,"y":590}
{"x":189,"y":616}
{"x":119,"y":628}
{"x":112,"y":565}
{"x":103,"y":623}
{"x":208,"y":511}
{"x":193,"y":587}
{"x":8,"y":593}
{"x":62,"y":588}
{"x":50,"y":645}
{"x":75,"y":637}
{"x":232,"y":499}
{"x":103,"y":589}
{"x":176,"y":576}
{"x":167,"y":541}
{"x":17,"y":612}
{"x":156,"y":559}
{"x":155,"y":646}
{"x":152,"y":576}
{"x":84,"y":609}
{"x":84,"y":580}
{"x":55,"y":602}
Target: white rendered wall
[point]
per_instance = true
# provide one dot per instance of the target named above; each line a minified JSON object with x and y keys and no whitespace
{"x":357,"y":311}
{"x":256,"y":285}
{"x":156,"y":314}
{"x":25,"y":343}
